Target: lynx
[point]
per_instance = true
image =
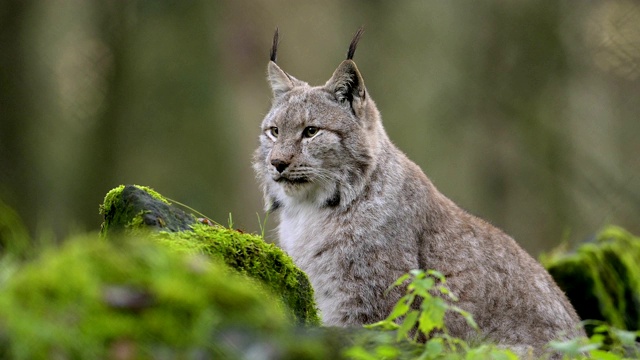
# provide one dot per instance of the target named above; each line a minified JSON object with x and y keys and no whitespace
{"x":356,"y":214}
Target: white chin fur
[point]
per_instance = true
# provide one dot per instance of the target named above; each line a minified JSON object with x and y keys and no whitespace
{"x":303,"y":194}
{"x":295,"y":190}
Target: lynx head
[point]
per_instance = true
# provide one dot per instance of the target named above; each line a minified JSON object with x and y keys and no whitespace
{"x":318,"y":143}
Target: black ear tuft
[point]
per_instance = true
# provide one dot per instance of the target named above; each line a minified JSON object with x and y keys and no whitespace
{"x":354,"y":42}
{"x":274,"y":48}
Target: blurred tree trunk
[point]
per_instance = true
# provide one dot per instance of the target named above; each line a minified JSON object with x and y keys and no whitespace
{"x":16,"y":93}
{"x":164,"y":122}
{"x":98,"y":169}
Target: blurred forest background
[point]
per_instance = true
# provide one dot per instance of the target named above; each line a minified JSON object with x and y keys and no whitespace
{"x":526,"y":113}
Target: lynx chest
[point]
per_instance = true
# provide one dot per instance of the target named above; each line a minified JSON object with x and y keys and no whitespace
{"x":303,"y":230}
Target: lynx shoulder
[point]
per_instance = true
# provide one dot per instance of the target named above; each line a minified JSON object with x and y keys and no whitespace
{"x":356,"y":213}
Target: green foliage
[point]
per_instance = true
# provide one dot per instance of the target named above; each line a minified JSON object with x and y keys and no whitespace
{"x":263,"y":224}
{"x":251,"y":255}
{"x":420,"y":314}
{"x":93,"y":298}
{"x":429,"y":316}
{"x":409,"y":322}
{"x":606,"y":343}
{"x":602,"y":278}
{"x":170,"y":295}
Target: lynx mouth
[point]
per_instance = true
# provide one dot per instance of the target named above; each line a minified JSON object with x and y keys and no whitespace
{"x":292,"y":181}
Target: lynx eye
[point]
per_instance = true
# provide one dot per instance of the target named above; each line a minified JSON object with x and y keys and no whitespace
{"x":273,"y":131}
{"x":310,"y":131}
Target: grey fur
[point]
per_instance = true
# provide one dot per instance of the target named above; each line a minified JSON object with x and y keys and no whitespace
{"x":356,"y":214}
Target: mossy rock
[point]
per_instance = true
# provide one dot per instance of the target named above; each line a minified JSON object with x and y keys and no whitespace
{"x":602,"y":279}
{"x":136,"y":208}
{"x":132,"y":299}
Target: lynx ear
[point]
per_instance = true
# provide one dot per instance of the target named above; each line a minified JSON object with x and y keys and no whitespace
{"x":346,"y":82}
{"x":280,"y":81}
{"x":347,"y":85}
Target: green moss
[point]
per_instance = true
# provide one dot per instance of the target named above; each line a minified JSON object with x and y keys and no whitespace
{"x":251,"y":255}
{"x":134,"y":208}
{"x":117,"y":211}
{"x":115,"y":195}
{"x":93,"y":298}
{"x":602,"y":279}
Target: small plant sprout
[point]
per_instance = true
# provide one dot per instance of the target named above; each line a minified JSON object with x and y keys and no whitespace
{"x":262,"y":224}
{"x":429,"y":316}
{"x":419,"y":317}
{"x":230,"y":222}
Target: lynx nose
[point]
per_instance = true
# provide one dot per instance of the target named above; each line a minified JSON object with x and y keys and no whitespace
{"x":280,"y":165}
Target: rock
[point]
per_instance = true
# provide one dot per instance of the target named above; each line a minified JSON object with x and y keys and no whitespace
{"x":602,"y":279}
{"x":92,"y":297}
{"x":134,"y":208}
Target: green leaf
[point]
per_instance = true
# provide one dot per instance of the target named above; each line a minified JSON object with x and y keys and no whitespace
{"x":445,"y":291}
{"x":359,"y":353}
{"x":435,"y":302}
{"x":407,"y":324}
{"x":437,"y":274}
{"x":417,"y":273}
{"x":589,"y":347}
{"x":399,"y":309}
{"x":432,"y":349}
{"x":387,"y":351}
{"x":604,"y":355}
{"x":467,"y":316}
{"x":601,"y":329}
{"x":421,"y":287}
{"x":455,"y":344}
{"x":569,"y":347}
{"x":597,"y":339}
{"x":384,"y":325}
{"x":432,"y":317}
{"x":624,"y":336}
{"x":400,"y":280}
{"x":503,"y":354}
